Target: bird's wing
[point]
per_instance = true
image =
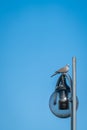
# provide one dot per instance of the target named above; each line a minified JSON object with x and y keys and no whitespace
{"x":61,"y":70}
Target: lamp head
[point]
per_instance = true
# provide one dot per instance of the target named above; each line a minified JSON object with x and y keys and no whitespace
{"x":60,"y":100}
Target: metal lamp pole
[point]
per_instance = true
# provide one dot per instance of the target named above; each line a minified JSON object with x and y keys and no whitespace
{"x":59,"y":99}
{"x":73,"y":107}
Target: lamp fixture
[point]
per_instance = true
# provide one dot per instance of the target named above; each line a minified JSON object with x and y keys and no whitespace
{"x":63,"y":101}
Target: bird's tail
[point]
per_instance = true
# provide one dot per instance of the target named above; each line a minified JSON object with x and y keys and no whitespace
{"x":53,"y":75}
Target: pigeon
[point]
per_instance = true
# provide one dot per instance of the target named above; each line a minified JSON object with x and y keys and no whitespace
{"x":62,"y":70}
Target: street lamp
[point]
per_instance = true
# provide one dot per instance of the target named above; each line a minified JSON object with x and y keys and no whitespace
{"x":63,"y":102}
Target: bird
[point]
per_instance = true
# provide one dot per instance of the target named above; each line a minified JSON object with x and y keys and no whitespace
{"x":64,"y":69}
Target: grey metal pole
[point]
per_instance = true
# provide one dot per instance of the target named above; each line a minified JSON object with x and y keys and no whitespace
{"x":73,"y":104}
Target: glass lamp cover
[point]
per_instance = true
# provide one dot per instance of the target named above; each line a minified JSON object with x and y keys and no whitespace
{"x":54,"y":104}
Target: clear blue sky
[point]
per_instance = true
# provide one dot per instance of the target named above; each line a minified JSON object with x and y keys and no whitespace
{"x":36,"y":38}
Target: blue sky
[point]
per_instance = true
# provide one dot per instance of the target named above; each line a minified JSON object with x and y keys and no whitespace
{"x":37,"y":38}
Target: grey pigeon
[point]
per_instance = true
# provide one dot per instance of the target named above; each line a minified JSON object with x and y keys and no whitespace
{"x":62,"y":70}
